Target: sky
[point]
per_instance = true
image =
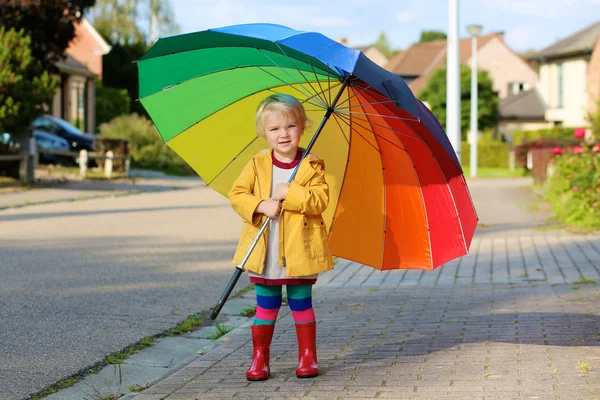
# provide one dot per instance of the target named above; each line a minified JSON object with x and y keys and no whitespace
{"x":527,"y":24}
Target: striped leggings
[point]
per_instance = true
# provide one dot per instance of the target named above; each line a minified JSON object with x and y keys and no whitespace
{"x":268,"y":303}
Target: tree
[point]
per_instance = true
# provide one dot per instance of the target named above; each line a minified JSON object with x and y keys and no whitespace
{"x":487,"y":99}
{"x":382,"y":44}
{"x":110,"y":103}
{"x":430,"y":36}
{"x":49,"y":24}
{"x":116,"y":21}
{"x":162,"y":19}
{"x":119,"y":70}
{"x":24,"y":86}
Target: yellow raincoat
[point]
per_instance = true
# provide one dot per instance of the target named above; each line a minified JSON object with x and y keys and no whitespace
{"x":303,"y":238}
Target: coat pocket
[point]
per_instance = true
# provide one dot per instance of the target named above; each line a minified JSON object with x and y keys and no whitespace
{"x":315,"y":237}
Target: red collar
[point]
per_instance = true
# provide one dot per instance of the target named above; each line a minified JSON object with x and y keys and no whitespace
{"x":290,"y":165}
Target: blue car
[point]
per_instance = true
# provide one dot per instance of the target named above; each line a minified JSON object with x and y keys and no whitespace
{"x":56,"y":126}
{"x":47,"y":141}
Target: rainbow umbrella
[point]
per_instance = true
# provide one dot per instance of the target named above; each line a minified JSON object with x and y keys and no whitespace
{"x":398,"y":197}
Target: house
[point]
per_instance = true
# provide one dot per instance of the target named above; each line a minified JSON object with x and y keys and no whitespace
{"x":75,"y":100}
{"x":522,"y":111}
{"x":372,"y":52}
{"x":509,"y":72}
{"x":569,"y":81}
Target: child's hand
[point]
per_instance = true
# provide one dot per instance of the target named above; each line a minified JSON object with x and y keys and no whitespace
{"x":281,"y":191}
{"x":271,"y":208}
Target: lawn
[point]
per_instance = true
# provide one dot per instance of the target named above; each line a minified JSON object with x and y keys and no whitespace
{"x":495,"y":172}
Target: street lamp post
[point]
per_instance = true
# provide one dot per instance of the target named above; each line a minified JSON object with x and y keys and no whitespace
{"x":453,"y":79}
{"x":474,"y":31}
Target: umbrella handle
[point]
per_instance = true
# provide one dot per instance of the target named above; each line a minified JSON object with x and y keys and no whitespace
{"x":236,"y":275}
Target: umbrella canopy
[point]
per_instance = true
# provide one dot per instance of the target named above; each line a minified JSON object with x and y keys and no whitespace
{"x":398,"y":197}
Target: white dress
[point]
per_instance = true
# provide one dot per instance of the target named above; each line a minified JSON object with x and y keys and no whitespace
{"x":273,"y":272}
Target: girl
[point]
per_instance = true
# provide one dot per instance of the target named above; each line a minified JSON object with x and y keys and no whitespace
{"x":294,"y":249}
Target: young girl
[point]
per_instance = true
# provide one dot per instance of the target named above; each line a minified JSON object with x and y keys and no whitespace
{"x":294,"y":249}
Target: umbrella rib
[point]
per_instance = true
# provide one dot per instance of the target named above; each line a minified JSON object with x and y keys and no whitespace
{"x":355,"y":94}
{"x":316,"y":77}
{"x":291,"y":60}
{"x":342,"y":130}
{"x":306,"y":100}
{"x":307,"y":95}
{"x":232,"y":160}
{"x":381,"y":126}
{"x":366,"y":140}
{"x":383,"y":116}
{"x":288,"y":74}
{"x":366,"y":104}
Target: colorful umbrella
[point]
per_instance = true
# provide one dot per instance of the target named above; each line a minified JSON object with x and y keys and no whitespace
{"x":398,"y":197}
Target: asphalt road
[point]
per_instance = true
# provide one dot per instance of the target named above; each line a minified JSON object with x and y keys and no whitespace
{"x":80,"y":280}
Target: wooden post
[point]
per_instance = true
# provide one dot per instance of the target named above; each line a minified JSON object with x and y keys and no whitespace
{"x":108,"y":164}
{"x":83,"y":163}
{"x":511,"y":160}
{"x":127,"y":164}
{"x":24,"y":173}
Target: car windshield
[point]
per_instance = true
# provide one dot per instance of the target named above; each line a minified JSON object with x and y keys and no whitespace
{"x":66,"y":126}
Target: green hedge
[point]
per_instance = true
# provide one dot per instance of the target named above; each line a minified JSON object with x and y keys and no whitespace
{"x":573,"y":190}
{"x":522,"y":136}
{"x":490,"y":154}
{"x":145,"y":144}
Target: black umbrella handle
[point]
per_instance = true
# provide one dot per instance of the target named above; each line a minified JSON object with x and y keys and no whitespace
{"x":232,"y":282}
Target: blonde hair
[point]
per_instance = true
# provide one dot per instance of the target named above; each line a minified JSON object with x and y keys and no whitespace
{"x":282,"y":103}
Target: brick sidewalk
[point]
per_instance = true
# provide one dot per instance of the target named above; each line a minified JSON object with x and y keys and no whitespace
{"x":515,"y":319}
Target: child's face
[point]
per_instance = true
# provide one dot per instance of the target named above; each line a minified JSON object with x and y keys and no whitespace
{"x":282,"y":134}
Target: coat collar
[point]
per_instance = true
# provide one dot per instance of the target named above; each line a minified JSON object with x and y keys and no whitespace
{"x":305,"y":172}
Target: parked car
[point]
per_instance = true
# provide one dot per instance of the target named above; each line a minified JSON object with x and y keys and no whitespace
{"x":47,"y":141}
{"x":8,"y":146}
{"x":56,"y":126}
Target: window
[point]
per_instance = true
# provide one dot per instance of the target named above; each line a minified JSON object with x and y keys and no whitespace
{"x":517,"y":87}
{"x":560,"y":85}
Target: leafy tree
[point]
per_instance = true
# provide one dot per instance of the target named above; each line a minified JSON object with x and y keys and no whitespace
{"x":487,"y":99}
{"x":120,"y":71}
{"x":110,"y":103}
{"x":162,"y":19}
{"x":116,"y":21}
{"x":25,"y":87}
{"x":430,"y":36}
{"x":382,"y":44}
{"x":49,"y":23}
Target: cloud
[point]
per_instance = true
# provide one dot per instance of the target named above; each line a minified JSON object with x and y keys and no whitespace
{"x":329,"y":21}
{"x":541,"y":8}
{"x":522,"y":37}
{"x":406,"y":16}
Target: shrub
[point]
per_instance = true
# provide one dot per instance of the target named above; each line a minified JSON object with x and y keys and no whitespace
{"x":574,"y":188}
{"x":558,"y":132}
{"x":110,"y":103}
{"x":145,"y":145}
{"x":491,"y":153}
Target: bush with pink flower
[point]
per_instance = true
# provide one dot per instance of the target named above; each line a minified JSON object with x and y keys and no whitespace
{"x":574,"y":188}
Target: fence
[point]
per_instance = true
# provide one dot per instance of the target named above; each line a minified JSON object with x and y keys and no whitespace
{"x":82,"y":157}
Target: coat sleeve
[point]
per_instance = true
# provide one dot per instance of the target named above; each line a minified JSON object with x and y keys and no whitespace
{"x":311,"y":199}
{"x":242,"y":198}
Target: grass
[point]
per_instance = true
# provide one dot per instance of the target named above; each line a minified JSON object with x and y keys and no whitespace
{"x":221,"y":330}
{"x":248,"y":312}
{"x":485,"y":172}
{"x":119,"y":357}
{"x":585,"y":281}
{"x":583,"y":367}
{"x":191,"y":322}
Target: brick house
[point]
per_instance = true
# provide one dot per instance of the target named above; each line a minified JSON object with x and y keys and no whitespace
{"x":372,"y":52}
{"x":569,"y":80}
{"x":510,"y":73}
{"x":75,"y":101}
